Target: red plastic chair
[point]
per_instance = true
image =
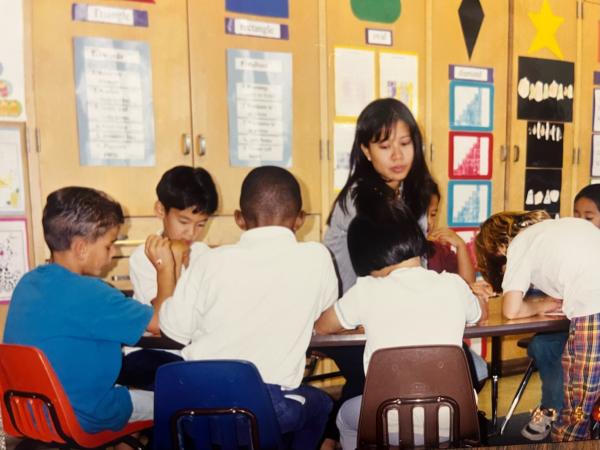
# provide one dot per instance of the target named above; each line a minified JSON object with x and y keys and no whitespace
{"x":35,"y":406}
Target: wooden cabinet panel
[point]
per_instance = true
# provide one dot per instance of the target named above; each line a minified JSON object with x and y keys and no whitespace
{"x":55,"y":103}
{"x":490,"y":51}
{"x":524,"y":33}
{"x":208,"y":53}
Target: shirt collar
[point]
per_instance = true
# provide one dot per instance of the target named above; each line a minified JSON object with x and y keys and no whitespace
{"x":269,"y":233}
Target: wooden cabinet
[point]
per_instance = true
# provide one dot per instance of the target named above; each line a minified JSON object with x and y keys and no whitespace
{"x":448,"y":47}
{"x":53,"y":32}
{"x":523,"y":35}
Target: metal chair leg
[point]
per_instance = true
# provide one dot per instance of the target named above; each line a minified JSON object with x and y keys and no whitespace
{"x":518,"y":394}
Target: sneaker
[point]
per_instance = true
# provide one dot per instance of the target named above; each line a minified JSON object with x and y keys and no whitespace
{"x":540,"y":424}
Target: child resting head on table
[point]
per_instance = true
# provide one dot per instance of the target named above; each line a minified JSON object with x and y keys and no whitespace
{"x":561,"y":258}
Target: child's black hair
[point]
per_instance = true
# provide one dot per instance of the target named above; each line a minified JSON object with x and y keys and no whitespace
{"x":591,"y":192}
{"x":271,"y":193}
{"x":78,"y":211}
{"x":383,"y":236}
{"x":375,"y":124}
{"x":185,"y":187}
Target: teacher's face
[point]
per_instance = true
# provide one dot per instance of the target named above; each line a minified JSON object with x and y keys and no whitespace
{"x":392,"y":159}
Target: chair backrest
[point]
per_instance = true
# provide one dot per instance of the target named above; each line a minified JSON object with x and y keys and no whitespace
{"x":35,"y":405}
{"x":212,"y":402}
{"x":413,"y":381}
{"x":31,"y":395}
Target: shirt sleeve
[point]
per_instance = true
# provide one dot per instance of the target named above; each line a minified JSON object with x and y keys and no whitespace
{"x":471,"y":304}
{"x":179,"y":314}
{"x":114,"y":316}
{"x":348,"y":308}
{"x":336,"y":240}
{"x":329,"y":282}
{"x":143,"y":276}
{"x":517,"y":276}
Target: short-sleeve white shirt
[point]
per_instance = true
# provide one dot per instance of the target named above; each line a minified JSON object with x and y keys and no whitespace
{"x":410,"y":306}
{"x":255,"y":300}
{"x":561,"y":258}
{"x":143,"y":274}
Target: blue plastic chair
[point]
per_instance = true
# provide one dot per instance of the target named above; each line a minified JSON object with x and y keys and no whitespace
{"x":200,"y":404}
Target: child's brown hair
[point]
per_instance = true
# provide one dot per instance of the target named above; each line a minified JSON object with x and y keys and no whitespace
{"x":493,"y":238}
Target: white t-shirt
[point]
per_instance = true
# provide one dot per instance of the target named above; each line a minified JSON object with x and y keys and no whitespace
{"x":255,"y":300}
{"x":143,"y":274}
{"x":410,"y":306}
{"x":561,"y":258}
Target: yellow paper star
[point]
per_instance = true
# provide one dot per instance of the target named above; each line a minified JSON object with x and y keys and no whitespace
{"x":546,"y":24}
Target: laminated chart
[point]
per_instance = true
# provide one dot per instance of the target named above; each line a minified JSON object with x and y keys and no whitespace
{"x":469,"y":202}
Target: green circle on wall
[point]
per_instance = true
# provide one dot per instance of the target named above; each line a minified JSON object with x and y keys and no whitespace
{"x":385,"y":11}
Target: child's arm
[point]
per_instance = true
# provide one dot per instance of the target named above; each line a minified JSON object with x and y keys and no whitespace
{"x":328,"y":323}
{"x":158,"y":250}
{"x":449,"y":237}
{"x":513,"y":306}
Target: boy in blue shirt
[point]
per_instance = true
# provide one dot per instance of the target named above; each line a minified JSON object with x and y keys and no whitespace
{"x":79,"y":321}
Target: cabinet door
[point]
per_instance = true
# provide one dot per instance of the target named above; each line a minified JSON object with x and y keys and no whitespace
{"x":526,"y":38}
{"x":347,"y":29}
{"x":490,"y":51}
{"x":208,"y":61}
{"x":589,"y":53}
{"x":54,"y":84}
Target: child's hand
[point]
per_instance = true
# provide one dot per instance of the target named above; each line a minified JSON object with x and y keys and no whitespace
{"x":181,"y":252}
{"x":482,"y":290}
{"x":550,"y":304}
{"x":446,"y":236}
{"x":158,"y":251}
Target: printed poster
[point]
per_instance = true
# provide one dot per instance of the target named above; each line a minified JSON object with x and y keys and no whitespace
{"x":545,"y":144}
{"x":115,"y":114}
{"x":12,"y":186}
{"x":595,"y":160}
{"x":469,"y":202}
{"x":259,"y":99}
{"x":545,"y":90}
{"x":354,"y":80}
{"x":542,"y":190}
{"x":470,"y":155}
{"x":399,"y":78}
{"x":471,"y":106}
{"x":12,"y":67}
{"x":343,"y":138}
{"x":13,"y":255}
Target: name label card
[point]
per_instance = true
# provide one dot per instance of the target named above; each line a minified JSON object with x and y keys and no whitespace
{"x":470,"y":73}
{"x":379,"y":37}
{"x":108,"y":14}
{"x":246,"y":27}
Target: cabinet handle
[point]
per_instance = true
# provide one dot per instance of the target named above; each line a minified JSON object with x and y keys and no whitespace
{"x":503,"y":152}
{"x":201,"y":145}
{"x":186,"y":144}
{"x":517,"y":151}
{"x":578,"y":155}
{"x":119,"y":278}
{"x":431,"y":149}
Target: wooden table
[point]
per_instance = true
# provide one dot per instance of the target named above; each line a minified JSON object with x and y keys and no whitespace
{"x":495,"y":326}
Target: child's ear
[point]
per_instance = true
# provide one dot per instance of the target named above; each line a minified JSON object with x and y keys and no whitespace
{"x":300,"y":218}
{"x":159,"y":210}
{"x":239,"y":219}
{"x":79,"y":247}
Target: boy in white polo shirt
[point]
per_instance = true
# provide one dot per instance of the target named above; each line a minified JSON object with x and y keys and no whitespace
{"x":258,"y":299}
{"x":187,"y":197}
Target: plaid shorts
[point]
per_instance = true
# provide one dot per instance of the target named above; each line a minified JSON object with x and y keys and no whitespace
{"x":581,"y":369}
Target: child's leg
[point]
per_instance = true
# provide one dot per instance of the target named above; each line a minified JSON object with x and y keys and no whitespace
{"x":139,"y":367}
{"x":581,"y":370}
{"x":546,"y":349}
{"x":347,"y":422}
{"x":143,"y":405}
{"x":302,"y":412}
